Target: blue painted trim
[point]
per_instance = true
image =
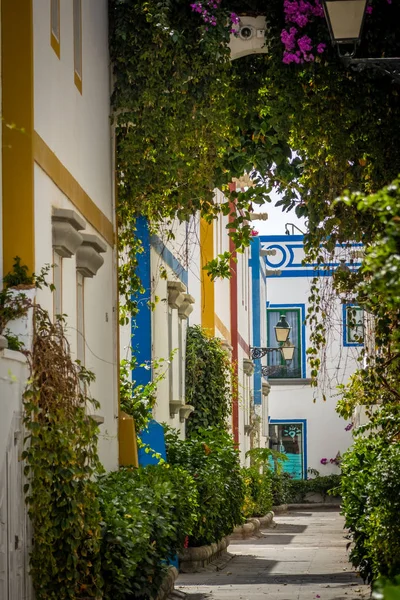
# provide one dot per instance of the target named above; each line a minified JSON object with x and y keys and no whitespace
{"x":169,"y":259}
{"x":300,"y":269}
{"x":296,"y":238}
{"x":141,"y":323}
{"x":303,"y":332}
{"x":304,"y":422}
{"x":305,"y":273}
{"x":344,"y":333}
{"x":256,"y":293}
{"x":280,"y":238}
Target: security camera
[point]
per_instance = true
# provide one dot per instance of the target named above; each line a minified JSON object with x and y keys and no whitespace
{"x":246,"y":32}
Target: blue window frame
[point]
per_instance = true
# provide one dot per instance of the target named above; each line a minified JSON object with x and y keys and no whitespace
{"x":353,"y":325}
{"x":295,"y":315}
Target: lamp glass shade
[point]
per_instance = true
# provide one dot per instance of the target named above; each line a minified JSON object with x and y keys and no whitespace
{"x":345,"y":19}
{"x":282,"y":329}
{"x":287,"y":351}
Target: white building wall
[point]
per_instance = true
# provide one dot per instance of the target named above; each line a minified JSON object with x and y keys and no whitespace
{"x":296,"y":399}
{"x":169,"y":325}
{"x":76,"y":128}
{"x":14,"y":558}
{"x":194,"y":269}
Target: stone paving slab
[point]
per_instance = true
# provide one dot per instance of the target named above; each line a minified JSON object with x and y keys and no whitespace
{"x":302,"y":558}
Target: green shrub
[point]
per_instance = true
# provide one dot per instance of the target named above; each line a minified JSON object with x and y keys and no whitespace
{"x":371,"y":504}
{"x":386,"y":589}
{"x":147,"y":513}
{"x":211,"y":458}
{"x":258,"y":492}
{"x":280,"y":486}
{"x":299,"y":488}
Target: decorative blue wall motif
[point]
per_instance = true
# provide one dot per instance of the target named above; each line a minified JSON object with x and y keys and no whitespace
{"x":288,"y":258}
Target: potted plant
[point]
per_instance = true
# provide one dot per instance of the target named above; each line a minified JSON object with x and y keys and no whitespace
{"x":16,"y":302}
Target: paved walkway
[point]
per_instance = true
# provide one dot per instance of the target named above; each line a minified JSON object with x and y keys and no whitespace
{"x":302,"y":558}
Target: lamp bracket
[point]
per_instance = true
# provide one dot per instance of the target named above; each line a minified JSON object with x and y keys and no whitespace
{"x":270,"y":370}
{"x":387,"y":66}
{"x":256,"y":352}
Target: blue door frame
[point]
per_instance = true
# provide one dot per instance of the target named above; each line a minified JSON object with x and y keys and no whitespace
{"x":304,"y":441}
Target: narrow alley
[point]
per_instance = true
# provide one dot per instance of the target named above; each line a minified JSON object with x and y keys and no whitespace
{"x":303,"y":557}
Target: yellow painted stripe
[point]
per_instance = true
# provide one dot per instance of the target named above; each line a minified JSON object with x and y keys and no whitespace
{"x":17,"y":130}
{"x":207,"y":286}
{"x":53,"y":167}
{"x":223,"y":329}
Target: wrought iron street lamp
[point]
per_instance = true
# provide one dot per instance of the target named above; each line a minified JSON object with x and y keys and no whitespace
{"x":286,"y":348}
{"x":282,"y":329}
{"x":345,"y":20}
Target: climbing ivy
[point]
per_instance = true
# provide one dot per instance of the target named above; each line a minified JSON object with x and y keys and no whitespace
{"x":186,"y":121}
{"x":208,"y":381}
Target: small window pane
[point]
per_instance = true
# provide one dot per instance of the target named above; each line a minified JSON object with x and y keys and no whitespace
{"x":354,"y":325}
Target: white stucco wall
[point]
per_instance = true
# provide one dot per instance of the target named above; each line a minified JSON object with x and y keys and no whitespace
{"x":326,"y":434}
{"x":100,"y":312}
{"x":171,"y":367}
{"x":194,"y":269}
{"x":76,"y":126}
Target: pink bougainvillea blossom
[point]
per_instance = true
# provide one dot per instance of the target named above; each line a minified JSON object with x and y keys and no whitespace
{"x":206,"y":9}
{"x":304,"y":43}
{"x":299,"y":48}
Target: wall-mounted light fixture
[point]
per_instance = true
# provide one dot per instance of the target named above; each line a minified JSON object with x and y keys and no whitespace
{"x":286,"y":348}
{"x":345,"y":20}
